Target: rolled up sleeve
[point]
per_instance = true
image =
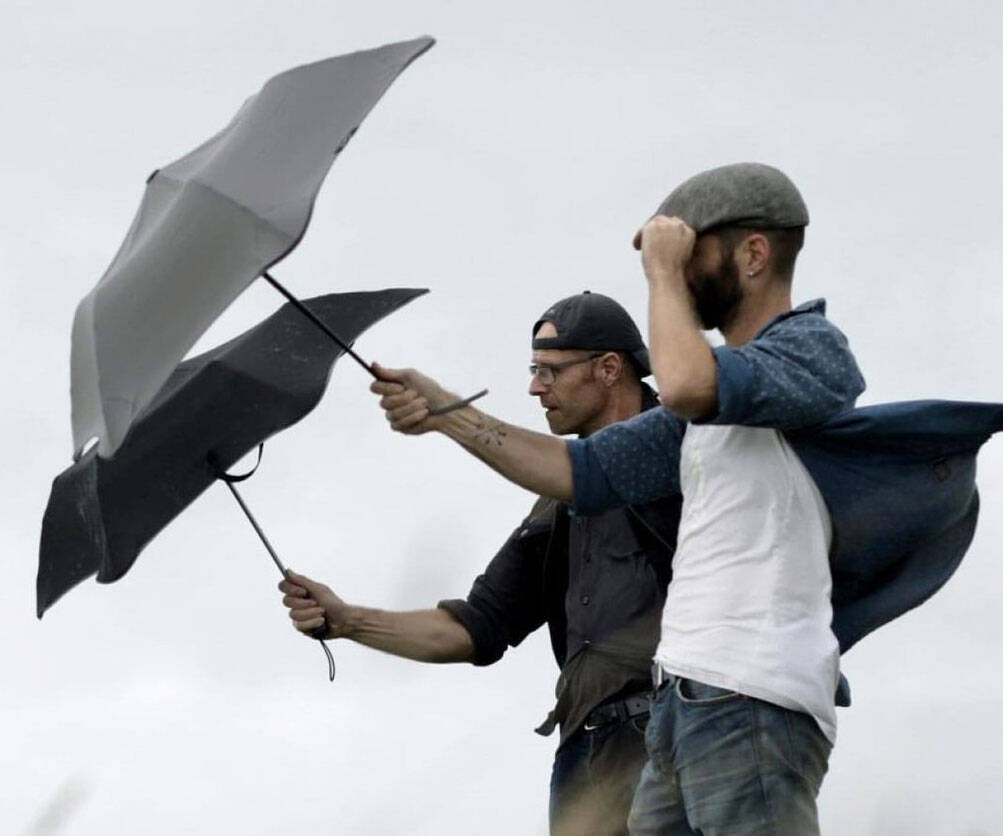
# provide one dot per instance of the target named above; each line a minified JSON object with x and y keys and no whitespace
{"x":798,"y":373}
{"x":628,"y":463}
{"x":506,"y":602}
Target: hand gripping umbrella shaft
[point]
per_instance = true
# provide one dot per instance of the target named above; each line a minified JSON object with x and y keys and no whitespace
{"x":318,"y":633}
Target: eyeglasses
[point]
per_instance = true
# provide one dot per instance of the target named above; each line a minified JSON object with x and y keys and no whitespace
{"x":547,"y":374}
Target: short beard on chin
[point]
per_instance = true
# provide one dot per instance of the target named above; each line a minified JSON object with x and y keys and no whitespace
{"x":563,"y":424}
{"x":717,"y":295}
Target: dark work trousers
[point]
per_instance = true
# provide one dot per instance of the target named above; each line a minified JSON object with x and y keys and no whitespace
{"x":594,"y":777}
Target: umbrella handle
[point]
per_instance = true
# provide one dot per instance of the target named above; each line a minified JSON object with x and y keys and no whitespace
{"x":450,"y":407}
{"x":319,"y":633}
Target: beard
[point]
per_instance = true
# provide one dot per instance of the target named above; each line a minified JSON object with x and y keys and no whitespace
{"x":717,"y":294}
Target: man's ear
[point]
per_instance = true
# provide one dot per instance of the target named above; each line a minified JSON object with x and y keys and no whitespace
{"x":753,"y":254}
{"x":610,"y":367}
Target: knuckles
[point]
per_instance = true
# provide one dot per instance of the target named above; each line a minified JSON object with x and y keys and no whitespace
{"x":663,"y":223}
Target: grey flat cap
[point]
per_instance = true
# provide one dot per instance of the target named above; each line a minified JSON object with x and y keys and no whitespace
{"x":743,"y":194}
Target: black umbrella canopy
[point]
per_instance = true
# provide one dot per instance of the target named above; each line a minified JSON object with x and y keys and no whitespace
{"x":212,"y":411}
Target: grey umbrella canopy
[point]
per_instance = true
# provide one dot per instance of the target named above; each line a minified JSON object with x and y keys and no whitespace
{"x":213,"y":410}
{"x":208,"y":225}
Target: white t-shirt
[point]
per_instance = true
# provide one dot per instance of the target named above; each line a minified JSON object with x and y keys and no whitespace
{"x":748,"y":606}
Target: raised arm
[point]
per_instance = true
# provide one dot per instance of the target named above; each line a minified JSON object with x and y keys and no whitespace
{"x":538,"y":462}
{"x":782,"y":368}
{"x":681,"y":357}
{"x":432,"y":635}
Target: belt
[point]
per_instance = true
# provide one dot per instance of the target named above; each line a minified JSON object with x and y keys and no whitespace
{"x":619,"y":712}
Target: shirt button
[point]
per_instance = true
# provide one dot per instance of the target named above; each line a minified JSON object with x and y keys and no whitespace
{"x":586,"y":599}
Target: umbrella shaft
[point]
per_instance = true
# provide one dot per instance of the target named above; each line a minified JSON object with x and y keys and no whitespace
{"x":321,"y":631}
{"x":318,"y":322}
{"x":257,"y":528}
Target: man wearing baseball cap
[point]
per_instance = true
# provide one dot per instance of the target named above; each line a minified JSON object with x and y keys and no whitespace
{"x":747,"y":666}
{"x":598,"y":582}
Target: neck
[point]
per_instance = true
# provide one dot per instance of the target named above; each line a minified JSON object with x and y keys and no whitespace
{"x":624,"y":402}
{"x":756,"y":310}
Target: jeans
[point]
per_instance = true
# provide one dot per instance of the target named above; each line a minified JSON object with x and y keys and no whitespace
{"x":723,"y":763}
{"x":594,"y":777}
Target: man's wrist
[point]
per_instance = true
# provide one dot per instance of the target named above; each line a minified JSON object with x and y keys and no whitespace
{"x":471,"y":427}
{"x":352,"y":621}
{"x":666,"y":276}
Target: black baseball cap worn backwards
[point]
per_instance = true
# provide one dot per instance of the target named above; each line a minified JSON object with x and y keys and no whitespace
{"x":593,"y":322}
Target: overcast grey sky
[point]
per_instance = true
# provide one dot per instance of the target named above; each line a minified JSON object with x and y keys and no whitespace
{"x":505,"y":169}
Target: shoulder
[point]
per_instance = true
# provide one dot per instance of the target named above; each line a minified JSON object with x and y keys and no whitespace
{"x":541,"y":517}
{"x":804,"y":319}
{"x":804,"y":331}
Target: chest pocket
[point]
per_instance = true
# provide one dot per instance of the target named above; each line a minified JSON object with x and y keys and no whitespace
{"x":614,"y":537}
{"x":624,"y":575}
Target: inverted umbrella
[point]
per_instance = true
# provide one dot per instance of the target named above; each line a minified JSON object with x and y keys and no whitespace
{"x":208,"y":225}
{"x":213,"y":410}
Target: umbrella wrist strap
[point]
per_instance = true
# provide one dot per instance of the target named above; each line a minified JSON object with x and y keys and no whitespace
{"x":233,"y":479}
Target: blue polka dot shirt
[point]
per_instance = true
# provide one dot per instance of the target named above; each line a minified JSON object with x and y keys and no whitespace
{"x":797,"y":372}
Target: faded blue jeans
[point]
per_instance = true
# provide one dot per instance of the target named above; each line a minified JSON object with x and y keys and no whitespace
{"x":594,"y":777}
{"x":720,"y":763}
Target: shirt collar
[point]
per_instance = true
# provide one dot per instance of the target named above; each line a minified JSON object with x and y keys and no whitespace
{"x":812,"y":306}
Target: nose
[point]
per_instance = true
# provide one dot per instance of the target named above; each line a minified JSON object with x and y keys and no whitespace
{"x":536,"y":388}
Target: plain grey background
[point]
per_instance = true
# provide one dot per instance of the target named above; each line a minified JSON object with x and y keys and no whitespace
{"x":507,"y":168}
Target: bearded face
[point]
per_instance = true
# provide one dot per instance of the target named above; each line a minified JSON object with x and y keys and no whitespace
{"x":715,"y":288}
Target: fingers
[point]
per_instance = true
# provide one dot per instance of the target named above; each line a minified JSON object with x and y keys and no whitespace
{"x":663,"y":223}
{"x":300,"y":597}
{"x":666,"y":246}
{"x":397,"y":401}
{"x":300,"y":604}
{"x":307,"y":619}
{"x":386,"y":375}
{"x":290,"y":588}
{"x":309,"y":586}
{"x":408,"y":416}
{"x":404,"y":408}
{"x":383,"y":387}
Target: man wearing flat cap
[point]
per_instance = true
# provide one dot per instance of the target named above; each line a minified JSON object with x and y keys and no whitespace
{"x":598,"y":581}
{"x":747,"y":667}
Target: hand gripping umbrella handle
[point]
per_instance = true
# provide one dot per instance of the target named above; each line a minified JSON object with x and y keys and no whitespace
{"x":318,"y":633}
{"x":316,"y":320}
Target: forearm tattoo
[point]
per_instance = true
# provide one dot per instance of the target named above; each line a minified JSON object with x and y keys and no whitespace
{"x":489,"y":432}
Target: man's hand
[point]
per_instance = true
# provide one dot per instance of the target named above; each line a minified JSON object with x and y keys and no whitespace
{"x":310,"y":603}
{"x":666,"y":246}
{"x":540,"y":463}
{"x":406,"y":397}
